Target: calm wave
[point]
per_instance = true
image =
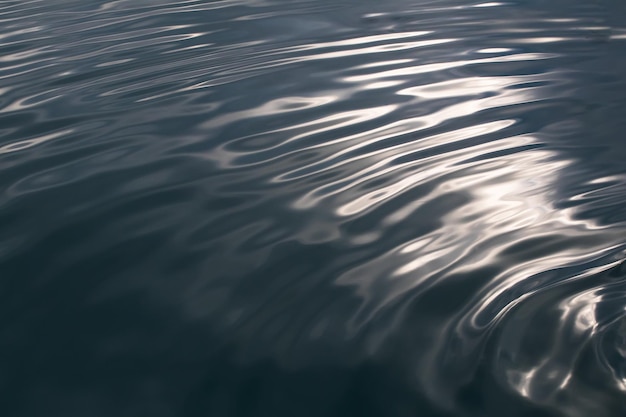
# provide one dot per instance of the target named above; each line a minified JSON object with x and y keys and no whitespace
{"x":312,"y":208}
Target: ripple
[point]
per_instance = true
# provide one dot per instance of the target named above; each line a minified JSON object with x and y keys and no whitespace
{"x":248,"y":208}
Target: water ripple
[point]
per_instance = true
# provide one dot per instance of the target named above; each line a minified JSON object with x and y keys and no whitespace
{"x":249,"y":208}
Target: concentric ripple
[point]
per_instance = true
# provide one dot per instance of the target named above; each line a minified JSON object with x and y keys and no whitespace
{"x":312,"y":208}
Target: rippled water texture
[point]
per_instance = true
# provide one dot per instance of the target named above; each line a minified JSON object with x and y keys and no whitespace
{"x":312,"y":208}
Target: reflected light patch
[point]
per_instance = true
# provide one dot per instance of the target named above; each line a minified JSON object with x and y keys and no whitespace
{"x":441,"y":66}
{"x":29,"y":143}
{"x":381,"y":84}
{"x":363,"y":40}
{"x":272,"y":107}
{"x":383,"y":63}
{"x":545,"y":39}
{"x":494,"y":50}
{"x":490,"y":4}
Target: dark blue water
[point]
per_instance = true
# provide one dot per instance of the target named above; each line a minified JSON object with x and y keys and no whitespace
{"x":258,"y":208}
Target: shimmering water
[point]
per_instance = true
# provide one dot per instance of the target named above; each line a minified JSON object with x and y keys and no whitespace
{"x":312,"y":208}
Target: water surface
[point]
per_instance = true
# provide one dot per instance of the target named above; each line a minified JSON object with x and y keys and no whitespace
{"x":312,"y":208}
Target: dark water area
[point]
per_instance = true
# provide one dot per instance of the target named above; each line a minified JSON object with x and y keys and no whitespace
{"x":248,"y":208}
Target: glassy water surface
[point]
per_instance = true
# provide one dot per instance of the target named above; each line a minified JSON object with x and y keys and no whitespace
{"x":312,"y":208}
